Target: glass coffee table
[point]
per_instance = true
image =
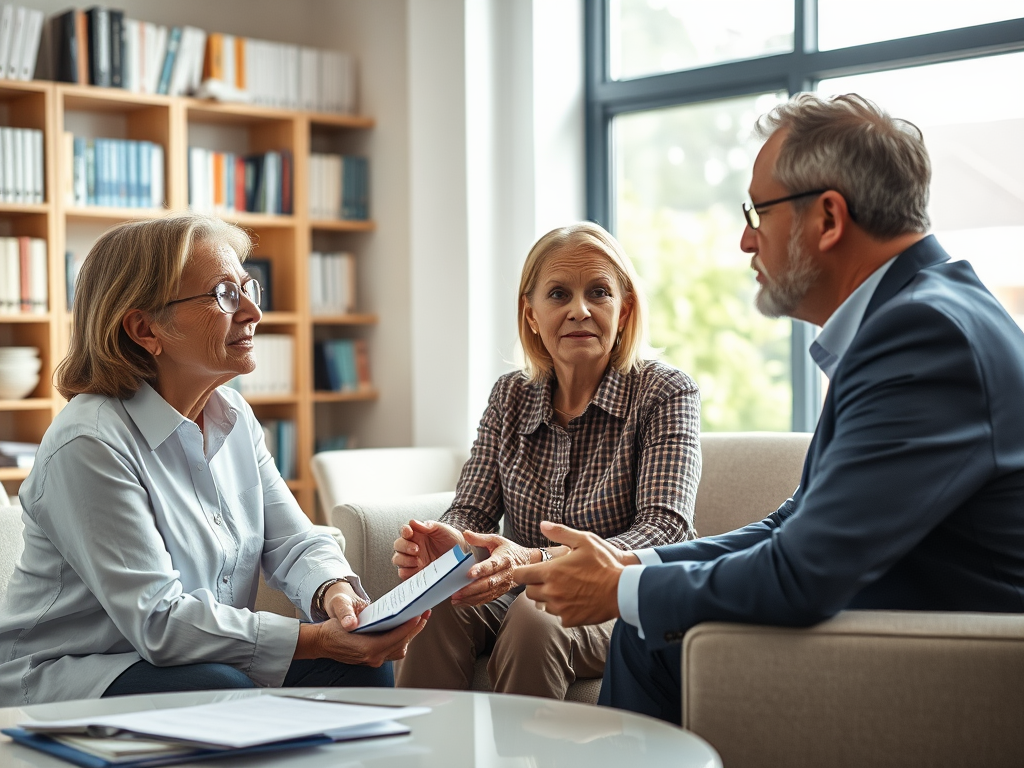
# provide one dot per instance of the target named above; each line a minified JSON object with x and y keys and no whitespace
{"x":474,"y":730}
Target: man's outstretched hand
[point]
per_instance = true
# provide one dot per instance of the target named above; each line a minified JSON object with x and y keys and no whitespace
{"x":582,"y":586}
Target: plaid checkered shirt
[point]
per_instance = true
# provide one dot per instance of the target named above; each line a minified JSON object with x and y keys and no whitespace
{"x":626,"y":469}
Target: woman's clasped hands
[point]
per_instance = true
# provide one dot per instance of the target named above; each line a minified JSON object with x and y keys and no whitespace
{"x":422,"y":542}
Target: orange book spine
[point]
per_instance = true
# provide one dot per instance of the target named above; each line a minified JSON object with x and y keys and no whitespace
{"x":213,"y":64}
{"x":219,"y":198}
{"x":240,"y":63}
{"x":363,"y":363}
{"x":82,"y":35}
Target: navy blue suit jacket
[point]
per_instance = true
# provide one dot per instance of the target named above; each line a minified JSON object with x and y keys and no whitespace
{"x":912,"y":493}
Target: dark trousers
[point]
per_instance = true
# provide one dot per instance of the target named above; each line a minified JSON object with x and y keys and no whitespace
{"x":143,"y":677}
{"x":641,"y":680}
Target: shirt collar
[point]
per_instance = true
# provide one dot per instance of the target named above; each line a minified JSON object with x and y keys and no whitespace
{"x":157,"y":419}
{"x":612,"y":396}
{"x":838,"y":332}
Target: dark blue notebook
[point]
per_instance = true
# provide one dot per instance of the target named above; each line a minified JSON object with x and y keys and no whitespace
{"x":78,"y":757}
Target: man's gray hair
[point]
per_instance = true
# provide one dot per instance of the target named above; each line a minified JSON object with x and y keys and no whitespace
{"x":878,"y":163}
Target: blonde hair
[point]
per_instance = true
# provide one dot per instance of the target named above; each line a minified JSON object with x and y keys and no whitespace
{"x":135,"y":265}
{"x":584,"y":237}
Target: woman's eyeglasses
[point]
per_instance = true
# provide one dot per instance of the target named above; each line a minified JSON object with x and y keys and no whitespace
{"x":229,"y":294}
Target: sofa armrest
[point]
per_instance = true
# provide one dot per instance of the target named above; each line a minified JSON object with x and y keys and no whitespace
{"x":371,"y":527}
{"x":897,"y":688}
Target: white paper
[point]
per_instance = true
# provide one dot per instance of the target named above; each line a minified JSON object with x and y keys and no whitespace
{"x":438,"y":581}
{"x":235,"y":723}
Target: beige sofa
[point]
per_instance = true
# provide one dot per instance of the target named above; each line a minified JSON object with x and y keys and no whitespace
{"x":866,"y":688}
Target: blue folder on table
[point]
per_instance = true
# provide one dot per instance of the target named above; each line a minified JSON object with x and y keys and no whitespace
{"x":78,"y":757}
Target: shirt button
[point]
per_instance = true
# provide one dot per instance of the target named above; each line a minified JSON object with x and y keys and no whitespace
{"x":218,"y":519}
{"x":199,"y":467}
{"x":225,"y":579}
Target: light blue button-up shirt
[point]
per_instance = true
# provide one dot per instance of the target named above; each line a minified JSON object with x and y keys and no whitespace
{"x":826,"y":351}
{"x":141,"y":542}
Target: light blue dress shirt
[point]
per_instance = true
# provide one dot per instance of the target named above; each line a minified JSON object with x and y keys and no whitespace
{"x":141,"y":542}
{"x":826,"y":351}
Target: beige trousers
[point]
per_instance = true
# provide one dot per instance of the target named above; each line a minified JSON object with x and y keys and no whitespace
{"x":531,"y":652}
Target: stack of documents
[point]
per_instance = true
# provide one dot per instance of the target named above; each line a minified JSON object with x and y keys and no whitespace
{"x":236,"y":727}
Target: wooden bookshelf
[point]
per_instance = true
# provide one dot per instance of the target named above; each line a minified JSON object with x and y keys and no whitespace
{"x":174,"y":122}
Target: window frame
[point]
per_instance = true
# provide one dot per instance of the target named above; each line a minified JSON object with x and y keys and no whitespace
{"x":795,"y":71}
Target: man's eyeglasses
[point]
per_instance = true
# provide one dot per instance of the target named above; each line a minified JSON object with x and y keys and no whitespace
{"x":229,"y":294}
{"x":751,"y":211}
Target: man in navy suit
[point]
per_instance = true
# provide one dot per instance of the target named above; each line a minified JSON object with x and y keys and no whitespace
{"x":912,"y":494}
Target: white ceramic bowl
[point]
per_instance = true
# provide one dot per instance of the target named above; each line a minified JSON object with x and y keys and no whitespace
{"x":18,"y":352}
{"x":20,"y":365}
{"x":17,"y":387}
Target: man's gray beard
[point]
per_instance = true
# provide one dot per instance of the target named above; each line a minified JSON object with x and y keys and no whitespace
{"x":780,"y":297}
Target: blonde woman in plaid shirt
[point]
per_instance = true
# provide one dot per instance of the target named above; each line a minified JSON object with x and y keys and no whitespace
{"x":588,"y":434}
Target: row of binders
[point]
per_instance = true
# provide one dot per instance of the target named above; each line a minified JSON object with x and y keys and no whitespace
{"x":21,"y":165}
{"x":115,"y":172}
{"x":332,"y":283}
{"x":100,"y":46}
{"x":229,"y":182}
{"x":23,"y":276}
{"x":20,"y":32}
{"x":341,"y":365}
{"x":279,"y":75}
{"x":274,"y":353}
{"x":338,"y":187}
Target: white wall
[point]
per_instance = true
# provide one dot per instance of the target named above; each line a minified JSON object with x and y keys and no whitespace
{"x":496,"y":160}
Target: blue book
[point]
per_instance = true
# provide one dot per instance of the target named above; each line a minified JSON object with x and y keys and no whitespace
{"x":332,"y":365}
{"x":132,"y":150}
{"x":350,"y":377}
{"x":145,"y":161}
{"x":83,"y":758}
{"x":91,"y":196}
{"x":173,"y":44}
{"x":123,"y":152}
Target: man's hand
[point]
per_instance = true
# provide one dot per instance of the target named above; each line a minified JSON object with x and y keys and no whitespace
{"x":421,"y":543}
{"x":330,"y":640}
{"x":493,"y":576}
{"x":342,"y":603}
{"x":582,"y":586}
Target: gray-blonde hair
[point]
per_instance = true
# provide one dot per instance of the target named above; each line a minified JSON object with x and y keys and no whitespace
{"x":135,"y":265}
{"x":847,"y":143}
{"x":584,"y":237}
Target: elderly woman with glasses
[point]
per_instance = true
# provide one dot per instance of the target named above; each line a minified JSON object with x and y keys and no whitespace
{"x":154,"y":505}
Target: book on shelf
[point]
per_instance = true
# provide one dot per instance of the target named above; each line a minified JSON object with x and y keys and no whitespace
{"x":21,"y":165}
{"x":335,"y":443}
{"x":101,"y":46}
{"x":279,"y":435}
{"x":226,"y":182}
{"x":115,"y":172}
{"x":338,"y":187}
{"x":21,"y":455}
{"x":274,"y":353}
{"x":260,"y":271}
{"x":20,"y":35}
{"x":332,"y":283}
{"x":341,"y":365}
{"x":72,"y":266}
{"x":23,"y":287}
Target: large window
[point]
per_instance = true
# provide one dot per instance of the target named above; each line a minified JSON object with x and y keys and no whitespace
{"x":674,"y":88}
